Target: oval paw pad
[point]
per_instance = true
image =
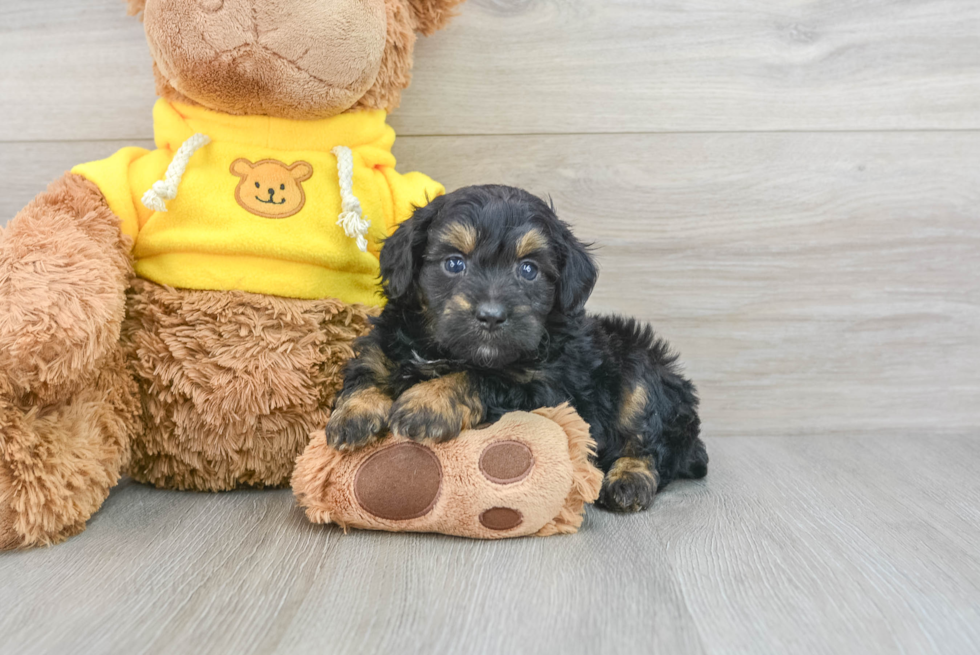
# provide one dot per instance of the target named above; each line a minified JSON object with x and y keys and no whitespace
{"x":501,"y":518}
{"x":400,"y":482}
{"x":505,"y":462}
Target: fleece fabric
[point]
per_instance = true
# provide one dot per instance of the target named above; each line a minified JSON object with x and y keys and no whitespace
{"x":257,"y":208}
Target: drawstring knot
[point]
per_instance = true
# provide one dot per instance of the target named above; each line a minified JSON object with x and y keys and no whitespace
{"x":163,"y":190}
{"x":351,"y":217}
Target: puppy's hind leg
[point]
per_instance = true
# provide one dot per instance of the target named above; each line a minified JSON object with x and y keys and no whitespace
{"x":630,"y":485}
{"x":695,"y":463}
{"x":632,"y":479}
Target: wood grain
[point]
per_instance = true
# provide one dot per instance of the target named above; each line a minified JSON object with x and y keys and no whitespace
{"x":813,"y":283}
{"x":81,"y":70}
{"x":791,"y":545}
{"x":789,"y":191}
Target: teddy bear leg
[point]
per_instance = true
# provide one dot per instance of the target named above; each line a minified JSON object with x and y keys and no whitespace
{"x":58,"y":460}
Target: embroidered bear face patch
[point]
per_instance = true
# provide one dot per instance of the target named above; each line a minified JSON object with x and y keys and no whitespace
{"x":270,"y":188}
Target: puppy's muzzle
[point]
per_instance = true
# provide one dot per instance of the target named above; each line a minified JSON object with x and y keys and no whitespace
{"x":491,"y":315}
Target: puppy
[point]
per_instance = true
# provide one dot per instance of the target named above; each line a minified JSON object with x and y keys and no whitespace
{"x":486,"y":290}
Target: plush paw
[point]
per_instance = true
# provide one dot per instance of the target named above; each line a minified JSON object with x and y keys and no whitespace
{"x":404,"y":480}
{"x":529,"y":473}
{"x":436,"y":410}
{"x":359,"y":419}
{"x":629,"y":486}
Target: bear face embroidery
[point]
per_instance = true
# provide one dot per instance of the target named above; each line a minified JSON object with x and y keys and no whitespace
{"x":270,"y":188}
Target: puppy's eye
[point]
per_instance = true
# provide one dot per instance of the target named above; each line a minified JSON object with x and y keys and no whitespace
{"x":528,"y":270}
{"x":455,"y":265}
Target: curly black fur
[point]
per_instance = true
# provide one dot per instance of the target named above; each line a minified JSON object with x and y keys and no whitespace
{"x":497,"y":341}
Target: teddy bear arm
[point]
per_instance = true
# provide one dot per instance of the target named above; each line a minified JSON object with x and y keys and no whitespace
{"x":64,"y":269}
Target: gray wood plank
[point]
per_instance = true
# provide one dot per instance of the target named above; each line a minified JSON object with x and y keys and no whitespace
{"x":72,"y":70}
{"x":860,"y":533}
{"x":851,"y":544}
{"x":813,"y":283}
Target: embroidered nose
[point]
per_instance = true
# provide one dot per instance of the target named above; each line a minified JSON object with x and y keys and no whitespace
{"x":272,"y":192}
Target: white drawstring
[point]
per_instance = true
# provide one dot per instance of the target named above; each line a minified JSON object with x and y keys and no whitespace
{"x":354,"y":224}
{"x":166,"y":189}
{"x":351,"y":217}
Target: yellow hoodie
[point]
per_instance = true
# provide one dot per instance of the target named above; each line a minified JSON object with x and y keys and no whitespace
{"x":257,"y":205}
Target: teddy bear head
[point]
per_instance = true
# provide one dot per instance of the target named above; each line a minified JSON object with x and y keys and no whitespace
{"x":300,"y":59}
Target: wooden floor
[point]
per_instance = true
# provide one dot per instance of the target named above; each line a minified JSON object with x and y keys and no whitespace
{"x":789,"y":191}
{"x":792,"y":545}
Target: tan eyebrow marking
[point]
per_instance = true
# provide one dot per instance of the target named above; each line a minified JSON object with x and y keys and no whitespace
{"x":460,"y":236}
{"x":530,"y":241}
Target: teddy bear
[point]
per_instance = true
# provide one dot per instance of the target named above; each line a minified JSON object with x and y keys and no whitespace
{"x":182,"y":315}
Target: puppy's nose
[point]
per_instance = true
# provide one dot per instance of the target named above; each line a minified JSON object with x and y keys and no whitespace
{"x":490,"y":314}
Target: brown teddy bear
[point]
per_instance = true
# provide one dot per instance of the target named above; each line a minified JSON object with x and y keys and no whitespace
{"x":183,"y":314}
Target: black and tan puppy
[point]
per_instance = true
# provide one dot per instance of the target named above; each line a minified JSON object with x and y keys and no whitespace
{"x":486,"y":290}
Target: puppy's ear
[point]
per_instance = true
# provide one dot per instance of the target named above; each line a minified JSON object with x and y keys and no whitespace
{"x":577,"y":272}
{"x":402,"y":252}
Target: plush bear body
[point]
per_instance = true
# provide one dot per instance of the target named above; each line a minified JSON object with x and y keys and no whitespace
{"x":196,"y":343}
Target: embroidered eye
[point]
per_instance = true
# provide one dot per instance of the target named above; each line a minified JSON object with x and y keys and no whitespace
{"x":282,"y":187}
{"x":257,"y":185}
{"x":455,"y":265}
{"x":528,"y":270}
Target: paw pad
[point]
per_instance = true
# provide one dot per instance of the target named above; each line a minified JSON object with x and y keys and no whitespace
{"x":399,"y":482}
{"x":506,"y":462}
{"x":501,"y":518}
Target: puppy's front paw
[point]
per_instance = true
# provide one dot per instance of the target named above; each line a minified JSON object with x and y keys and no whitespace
{"x":436,"y":410}
{"x":419,"y":420}
{"x":629,"y":486}
{"x":358,"y":419}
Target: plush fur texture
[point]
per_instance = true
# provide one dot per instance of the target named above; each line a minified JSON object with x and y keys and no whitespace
{"x":395,"y":72}
{"x":56,"y":327}
{"x":549,"y":500}
{"x":486,"y":290}
{"x":233,"y":383}
{"x":199,"y":390}
{"x":255,"y":57}
{"x":9,"y":537}
{"x":59,"y":460}
{"x":67,"y":402}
